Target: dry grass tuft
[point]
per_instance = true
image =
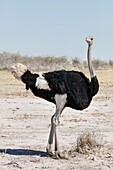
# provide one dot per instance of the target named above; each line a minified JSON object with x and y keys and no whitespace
{"x":87,"y":143}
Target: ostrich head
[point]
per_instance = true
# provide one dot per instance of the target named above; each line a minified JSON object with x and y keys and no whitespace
{"x":18,"y":70}
{"x":89,"y":40}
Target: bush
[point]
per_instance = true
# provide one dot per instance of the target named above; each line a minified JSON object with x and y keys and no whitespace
{"x":36,"y":63}
{"x":99,"y":64}
{"x":49,"y":63}
{"x":111,"y":63}
{"x":76,"y":62}
{"x":87,"y":143}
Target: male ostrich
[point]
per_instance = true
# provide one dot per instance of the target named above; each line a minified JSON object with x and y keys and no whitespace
{"x":64,"y":88}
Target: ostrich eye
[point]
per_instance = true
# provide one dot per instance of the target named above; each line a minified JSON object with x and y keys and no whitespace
{"x":91,"y":38}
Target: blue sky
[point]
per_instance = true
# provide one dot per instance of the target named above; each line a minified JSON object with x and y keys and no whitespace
{"x":56,"y":27}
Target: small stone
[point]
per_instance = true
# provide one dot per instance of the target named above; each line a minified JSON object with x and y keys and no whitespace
{"x":93,"y":158}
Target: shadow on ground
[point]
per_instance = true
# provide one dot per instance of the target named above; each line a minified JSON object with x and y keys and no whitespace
{"x":24,"y":152}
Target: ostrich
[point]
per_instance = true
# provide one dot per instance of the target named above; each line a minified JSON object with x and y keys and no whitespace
{"x":63,"y":88}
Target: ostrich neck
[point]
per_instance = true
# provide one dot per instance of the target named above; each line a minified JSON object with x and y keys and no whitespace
{"x":91,"y":70}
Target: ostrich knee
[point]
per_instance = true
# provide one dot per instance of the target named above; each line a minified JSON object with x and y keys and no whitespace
{"x":55,"y":120}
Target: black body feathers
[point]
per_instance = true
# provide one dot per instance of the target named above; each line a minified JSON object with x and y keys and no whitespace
{"x":75,"y":84}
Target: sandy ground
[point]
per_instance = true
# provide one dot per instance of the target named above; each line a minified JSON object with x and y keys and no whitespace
{"x":25,"y":125}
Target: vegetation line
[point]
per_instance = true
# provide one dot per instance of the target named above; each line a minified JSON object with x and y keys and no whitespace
{"x":50,"y":63}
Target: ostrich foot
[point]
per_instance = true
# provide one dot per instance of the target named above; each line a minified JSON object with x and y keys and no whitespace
{"x":63,"y":155}
{"x":50,"y":152}
{"x":56,"y":154}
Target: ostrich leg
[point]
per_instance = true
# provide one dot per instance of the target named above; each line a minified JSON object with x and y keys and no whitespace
{"x":60,"y":104}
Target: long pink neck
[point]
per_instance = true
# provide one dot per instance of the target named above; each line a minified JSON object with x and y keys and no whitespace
{"x":91,"y":70}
